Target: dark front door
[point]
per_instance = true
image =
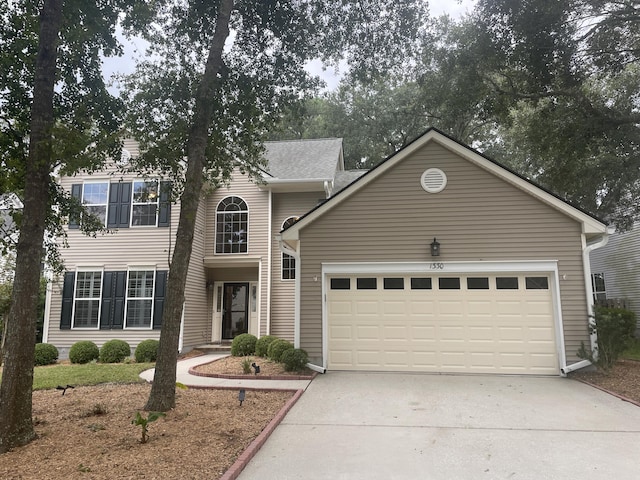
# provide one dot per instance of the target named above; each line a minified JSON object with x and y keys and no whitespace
{"x":235,"y":311}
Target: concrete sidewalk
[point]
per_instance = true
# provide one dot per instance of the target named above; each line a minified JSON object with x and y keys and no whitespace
{"x":183,"y":376}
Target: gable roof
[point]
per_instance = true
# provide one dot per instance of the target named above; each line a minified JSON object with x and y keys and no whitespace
{"x":316,"y":159}
{"x":591,"y":225}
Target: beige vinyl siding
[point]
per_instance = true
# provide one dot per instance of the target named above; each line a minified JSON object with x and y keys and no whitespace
{"x":478,"y":217}
{"x":285,"y":205}
{"x":116,"y":250}
{"x":619,"y":260}
{"x":257,"y":201}
{"x":197,"y":317}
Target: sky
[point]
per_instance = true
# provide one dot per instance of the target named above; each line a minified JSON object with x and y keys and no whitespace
{"x":135,"y":48}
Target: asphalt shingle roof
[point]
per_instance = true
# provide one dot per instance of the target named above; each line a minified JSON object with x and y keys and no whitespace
{"x":303,"y":159}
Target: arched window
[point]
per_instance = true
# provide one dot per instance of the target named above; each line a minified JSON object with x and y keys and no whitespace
{"x":288,"y":262}
{"x":232,"y":225}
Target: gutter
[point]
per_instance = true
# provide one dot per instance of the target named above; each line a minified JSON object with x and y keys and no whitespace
{"x":586,"y":261}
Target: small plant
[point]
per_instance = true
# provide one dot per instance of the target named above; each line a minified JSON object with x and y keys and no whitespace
{"x":144,"y":423}
{"x":45,"y":354}
{"x":294,"y":359}
{"x":99,"y":409}
{"x":246,"y":365}
{"x":614,"y":328}
{"x":83,"y":351}
{"x":277,"y":348}
{"x":147,"y":351}
{"x":83,"y":468}
{"x":114,"y":351}
{"x":262,"y":345}
{"x":243,"y":345}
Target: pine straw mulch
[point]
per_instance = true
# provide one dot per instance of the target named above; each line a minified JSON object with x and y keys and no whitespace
{"x":623,"y":379}
{"x":87,"y":434}
{"x":232,"y":367}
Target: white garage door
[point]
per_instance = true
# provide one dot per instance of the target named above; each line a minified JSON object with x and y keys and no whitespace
{"x":457,"y":323}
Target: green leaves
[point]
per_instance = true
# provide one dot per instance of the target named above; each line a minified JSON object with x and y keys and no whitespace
{"x":144,"y":423}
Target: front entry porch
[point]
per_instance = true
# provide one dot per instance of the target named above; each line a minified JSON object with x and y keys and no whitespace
{"x":235,"y":310}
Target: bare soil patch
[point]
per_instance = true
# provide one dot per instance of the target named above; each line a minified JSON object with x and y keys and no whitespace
{"x":233,"y":366}
{"x":623,"y":379}
{"x":87,"y":434}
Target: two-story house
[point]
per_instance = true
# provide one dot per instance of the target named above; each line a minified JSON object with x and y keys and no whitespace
{"x":239,"y":281}
{"x":437,"y":260}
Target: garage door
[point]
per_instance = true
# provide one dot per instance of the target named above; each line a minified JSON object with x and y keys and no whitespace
{"x":457,"y":323}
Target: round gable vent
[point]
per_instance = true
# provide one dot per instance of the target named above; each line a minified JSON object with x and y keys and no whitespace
{"x":433,"y":180}
{"x":124,"y":158}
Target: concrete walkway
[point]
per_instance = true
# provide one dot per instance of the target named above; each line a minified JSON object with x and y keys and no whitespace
{"x":183,"y":376}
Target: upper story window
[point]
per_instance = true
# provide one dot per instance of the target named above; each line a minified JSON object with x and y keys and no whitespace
{"x":232,"y":225}
{"x":145,"y":203}
{"x":95,"y":197}
{"x":125,"y":204}
{"x":288,"y":261}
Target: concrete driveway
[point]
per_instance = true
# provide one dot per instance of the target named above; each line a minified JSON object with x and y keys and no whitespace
{"x":403,"y":426}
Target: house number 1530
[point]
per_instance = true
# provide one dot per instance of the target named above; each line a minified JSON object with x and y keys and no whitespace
{"x":437,"y":266}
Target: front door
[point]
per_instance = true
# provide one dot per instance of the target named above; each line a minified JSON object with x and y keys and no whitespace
{"x":235,"y":311}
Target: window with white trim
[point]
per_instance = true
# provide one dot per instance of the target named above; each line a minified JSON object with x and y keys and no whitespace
{"x":144,"y":206}
{"x":139,"y":309}
{"x":232,"y":225}
{"x":86,"y":302}
{"x":95,"y":197}
{"x":288,"y":261}
{"x":599,"y":287}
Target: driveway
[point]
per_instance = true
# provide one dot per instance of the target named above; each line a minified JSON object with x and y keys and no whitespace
{"x":405,"y":426}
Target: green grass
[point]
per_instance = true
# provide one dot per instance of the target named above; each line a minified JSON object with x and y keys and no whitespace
{"x":633,"y":352}
{"x":89,"y":374}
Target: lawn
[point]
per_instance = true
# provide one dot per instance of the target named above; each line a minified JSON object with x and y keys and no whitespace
{"x":633,"y":352}
{"x":88,"y":374}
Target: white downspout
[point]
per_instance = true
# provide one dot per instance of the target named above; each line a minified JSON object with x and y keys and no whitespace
{"x":586,"y":261}
{"x":270,"y":266}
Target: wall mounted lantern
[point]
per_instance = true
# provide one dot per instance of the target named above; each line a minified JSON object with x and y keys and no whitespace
{"x":435,"y":248}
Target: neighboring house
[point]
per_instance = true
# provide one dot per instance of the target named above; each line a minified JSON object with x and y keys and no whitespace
{"x":8,"y":235}
{"x":437,"y":260}
{"x":615,"y":270}
{"x":238,"y":281}
{"x":441,"y":260}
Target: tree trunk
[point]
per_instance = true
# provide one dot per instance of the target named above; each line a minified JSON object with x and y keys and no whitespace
{"x":16,"y":427}
{"x":163,"y":390}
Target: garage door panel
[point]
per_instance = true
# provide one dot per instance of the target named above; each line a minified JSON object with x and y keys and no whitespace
{"x":432,"y":330}
{"x":367,"y":332}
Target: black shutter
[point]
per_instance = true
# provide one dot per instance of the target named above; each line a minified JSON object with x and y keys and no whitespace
{"x":113,"y":290}
{"x":67,"y":300}
{"x":164,"y":209}
{"x":107,"y":300}
{"x":158,"y":298}
{"x":125,"y":205}
{"x":117,"y":320}
{"x":119,"y":205}
{"x":76,"y":192}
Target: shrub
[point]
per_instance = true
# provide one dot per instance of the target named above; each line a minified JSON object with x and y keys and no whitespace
{"x":114,"y":351}
{"x":83,"y":351}
{"x":294,"y":359}
{"x":277,"y":348}
{"x":243,"y":345}
{"x":262,"y":345}
{"x":147,"y":351}
{"x":45,"y":354}
{"x":614,"y":328}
